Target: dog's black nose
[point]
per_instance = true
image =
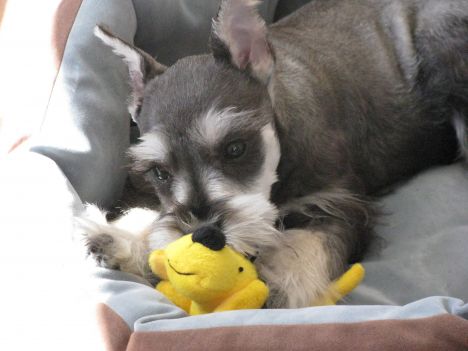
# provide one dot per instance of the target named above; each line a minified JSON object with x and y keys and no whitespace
{"x":210,"y":236}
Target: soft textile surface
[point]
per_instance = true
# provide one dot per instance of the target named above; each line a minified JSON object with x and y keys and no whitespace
{"x":86,"y":127}
{"x":189,"y":36}
{"x":444,"y":333}
{"x":421,"y":255}
{"x":145,"y":309}
{"x":424,"y":239}
{"x":136,"y":316}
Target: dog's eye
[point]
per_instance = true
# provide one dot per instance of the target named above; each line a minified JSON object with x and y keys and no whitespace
{"x":161,"y":174}
{"x":235,"y":149}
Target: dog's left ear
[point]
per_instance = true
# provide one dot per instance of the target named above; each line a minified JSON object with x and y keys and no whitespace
{"x":239,"y":35}
{"x":141,"y":67}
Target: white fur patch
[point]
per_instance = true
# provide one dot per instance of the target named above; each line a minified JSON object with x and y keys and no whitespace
{"x":136,"y":220}
{"x":163,"y":232}
{"x":152,"y":148}
{"x":272,"y":157}
{"x":462,"y":135}
{"x":215,"y":124}
{"x":251,"y":225}
{"x":133,"y":59}
{"x":181,"y":190}
{"x":130,"y":56}
{"x":216,"y":186}
{"x":128,"y":248}
{"x":298,"y":269}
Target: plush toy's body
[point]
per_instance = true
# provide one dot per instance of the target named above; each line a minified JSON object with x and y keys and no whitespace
{"x":200,"y":279}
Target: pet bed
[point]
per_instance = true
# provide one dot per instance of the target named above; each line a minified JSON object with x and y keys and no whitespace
{"x":416,"y":288}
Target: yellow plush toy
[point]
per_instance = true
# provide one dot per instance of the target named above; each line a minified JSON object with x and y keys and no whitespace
{"x":202,"y":278}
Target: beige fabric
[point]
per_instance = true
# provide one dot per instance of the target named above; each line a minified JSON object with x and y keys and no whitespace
{"x":63,"y":20}
{"x":440,"y":333}
{"x":114,"y":331}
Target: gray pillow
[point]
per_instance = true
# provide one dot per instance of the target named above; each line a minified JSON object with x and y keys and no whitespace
{"x":422,"y":243}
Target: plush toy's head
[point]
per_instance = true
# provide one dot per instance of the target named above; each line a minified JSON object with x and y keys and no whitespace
{"x":202,"y":267}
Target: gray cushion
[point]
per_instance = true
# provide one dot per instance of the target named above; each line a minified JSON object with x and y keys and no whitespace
{"x":86,"y":127}
{"x":422,"y":244}
{"x":171,"y":29}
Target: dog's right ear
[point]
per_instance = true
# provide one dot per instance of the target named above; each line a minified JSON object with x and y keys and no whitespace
{"x":239,"y":36}
{"x":141,"y":67}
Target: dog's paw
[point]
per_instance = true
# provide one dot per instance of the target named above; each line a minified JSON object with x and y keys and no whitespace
{"x":96,"y":237}
{"x":101,"y":249}
{"x":107,"y":245}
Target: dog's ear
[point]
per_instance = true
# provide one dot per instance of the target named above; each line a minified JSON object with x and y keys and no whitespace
{"x":141,"y":67}
{"x":239,"y":35}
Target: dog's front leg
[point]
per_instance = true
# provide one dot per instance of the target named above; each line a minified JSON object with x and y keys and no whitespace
{"x":121,"y":244}
{"x":302,"y":269}
{"x":324,"y":232}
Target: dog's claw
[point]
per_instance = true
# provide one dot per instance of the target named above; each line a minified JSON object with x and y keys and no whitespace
{"x":100,"y":248}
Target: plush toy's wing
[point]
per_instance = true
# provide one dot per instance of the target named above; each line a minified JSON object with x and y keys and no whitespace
{"x":350,"y":279}
{"x":166,"y":288}
{"x":342,"y":286}
{"x":252,"y":296}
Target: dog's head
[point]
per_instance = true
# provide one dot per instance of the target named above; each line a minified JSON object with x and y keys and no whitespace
{"x":208,"y":144}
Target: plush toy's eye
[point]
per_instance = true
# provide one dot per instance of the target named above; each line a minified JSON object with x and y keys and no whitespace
{"x":161,"y":174}
{"x":241,"y":269}
{"x":234,"y":149}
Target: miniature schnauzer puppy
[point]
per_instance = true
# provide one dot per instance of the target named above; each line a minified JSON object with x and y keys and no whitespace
{"x":283,"y":135}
